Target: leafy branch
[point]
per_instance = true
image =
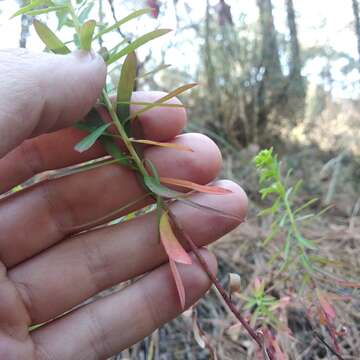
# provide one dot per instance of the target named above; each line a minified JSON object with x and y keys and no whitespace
{"x":286,"y":216}
{"x":119,"y":112}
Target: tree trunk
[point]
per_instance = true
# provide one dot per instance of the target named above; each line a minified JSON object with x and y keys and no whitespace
{"x":295,"y":59}
{"x":210,"y":68}
{"x":355,"y":6}
{"x":270,"y":49}
{"x":272,"y":78}
{"x":296,"y":89}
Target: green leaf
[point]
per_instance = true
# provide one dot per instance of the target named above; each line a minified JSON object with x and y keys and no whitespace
{"x":112,"y":149}
{"x":137,"y":43}
{"x":85,"y":12}
{"x":159,"y":201}
{"x":46,"y":10}
{"x":156,"y":70}
{"x":81,"y":125}
{"x":165,"y":98}
{"x":287,"y":247}
{"x":306,"y":205}
{"x":63,"y":19}
{"x":153,"y":184}
{"x":86,"y":34}
{"x":133,"y":15}
{"x":51,"y":41}
{"x":60,"y":2}
{"x":305,"y":242}
{"x":146,"y":103}
{"x":155,"y":187}
{"x":305,"y":261}
{"x":126,"y":86}
{"x":90,"y":140}
{"x":31,"y":6}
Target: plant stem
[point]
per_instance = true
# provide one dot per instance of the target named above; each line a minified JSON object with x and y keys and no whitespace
{"x":288,"y":210}
{"x":193,"y":247}
{"x":218,"y":286}
{"x":74,"y":17}
{"x":123,"y":134}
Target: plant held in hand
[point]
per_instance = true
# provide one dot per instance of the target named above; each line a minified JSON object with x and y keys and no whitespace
{"x":110,"y":121}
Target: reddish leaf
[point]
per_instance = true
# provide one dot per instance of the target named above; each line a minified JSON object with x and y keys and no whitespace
{"x":326,"y":306}
{"x":209,"y":189}
{"x":272,"y":345}
{"x":171,"y":244}
{"x":163,"y":144}
{"x":179,"y":284}
{"x":279,"y":353}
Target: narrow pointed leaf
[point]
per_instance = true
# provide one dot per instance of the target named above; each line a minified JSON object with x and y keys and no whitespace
{"x":137,"y":43}
{"x":164,"y":191}
{"x":178,"y":282}
{"x":90,"y":140}
{"x":29,"y":7}
{"x":51,"y":41}
{"x":85,"y":12}
{"x":133,"y":15}
{"x":46,"y":10}
{"x":159,"y":189}
{"x":171,"y":244}
{"x":146,"y":103}
{"x":215,"y":190}
{"x":326,"y":306}
{"x":165,"y":98}
{"x":163,"y":144}
{"x":112,"y":149}
{"x":86,"y":34}
{"x":153,"y":170}
{"x":126,"y":86}
{"x":305,"y":242}
{"x":209,"y":209}
{"x":156,"y":70}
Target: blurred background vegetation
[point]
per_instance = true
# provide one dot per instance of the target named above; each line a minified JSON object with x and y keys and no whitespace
{"x":272,"y":73}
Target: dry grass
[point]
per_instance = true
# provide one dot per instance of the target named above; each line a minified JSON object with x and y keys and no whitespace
{"x":241,"y":252}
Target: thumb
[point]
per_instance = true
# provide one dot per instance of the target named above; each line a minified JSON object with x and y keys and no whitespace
{"x":45,"y":92}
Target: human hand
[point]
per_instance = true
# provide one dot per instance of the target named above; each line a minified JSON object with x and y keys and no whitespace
{"x":43,"y":271}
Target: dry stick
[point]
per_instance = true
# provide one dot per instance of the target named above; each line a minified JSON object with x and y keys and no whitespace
{"x":218,"y":286}
{"x":322,"y":340}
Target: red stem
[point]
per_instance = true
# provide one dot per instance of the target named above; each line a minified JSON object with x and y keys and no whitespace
{"x":219,"y":287}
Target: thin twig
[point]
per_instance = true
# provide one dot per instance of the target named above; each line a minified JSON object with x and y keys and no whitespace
{"x":330,"y":348}
{"x":218,"y":286}
{"x":112,"y":7}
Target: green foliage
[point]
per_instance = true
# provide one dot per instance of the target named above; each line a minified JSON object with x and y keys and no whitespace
{"x":262,"y":305}
{"x":86,"y":34}
{"x":52,"y":42}
{"x":286,"y":216}
{"x":89,"y":141}
{"x":35,"y":8}
{"x":121,"y":22}
{"x":142,"y":40}
{"x":126,"y":86}
{"x":172,"y":94}
{"x":119,"y":114}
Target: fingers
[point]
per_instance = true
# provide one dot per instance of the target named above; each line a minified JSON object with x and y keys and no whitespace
{"x":159,"y":124}
{"x":56,"y":150}
{"x":68,"y":203}
{"x":45,"y":92}
{"x":69,"y":273}
{"x":112,"y":324}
